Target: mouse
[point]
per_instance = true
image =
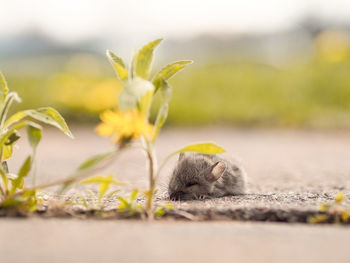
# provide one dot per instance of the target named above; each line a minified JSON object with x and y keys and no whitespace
{"x":202,"y":176}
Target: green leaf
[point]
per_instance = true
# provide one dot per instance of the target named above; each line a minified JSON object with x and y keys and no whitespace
{"x":52,"y":117}
{"x":23,"y":172}
{"x":92,"y":162}
{"x":118,"y":65}
{"x":160,"y":212}
{"x":143,"y":59}
{"x":101,"y":179}
{"x":103,"y":189}
{"x":10,"y":136}
{"x":168,"y":206}
{"x":11,"y":202}
{"x":168,"y":71}
{"x":10,"y":98}
{"x":145,"y":103}
{"x":4,"y":177}
{"x":15,"y":118}
{"x":27,"y":201}
{"x":133,"y":92}
{"x":205,"y":148}
{"x":4,"y":138}
{"x":161,"y":118}
{"x":7,"y":151}
{"x":124,"y":203}
{"x":3,"y":88}
{"x":34,"y":134}
{"x":46,"y":115}
{"x":104,"y":182}
{"x":134,"y":195}
{"x":164,"y":108}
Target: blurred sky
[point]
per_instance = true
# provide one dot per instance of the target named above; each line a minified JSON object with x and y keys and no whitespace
{"x":77,"y":20}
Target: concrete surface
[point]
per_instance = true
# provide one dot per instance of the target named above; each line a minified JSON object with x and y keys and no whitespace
{"x":71,"y":241}
{"x":288,"y":169}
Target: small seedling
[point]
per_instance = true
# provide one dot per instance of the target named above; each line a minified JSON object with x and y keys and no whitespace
{"x":332,"y":212}
{"x":163,"y":208}
{"x":105,"y":183}
{"x":9,"y":135}
{"x":129,"y":206}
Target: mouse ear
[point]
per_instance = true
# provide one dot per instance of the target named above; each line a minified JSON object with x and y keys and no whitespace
{"x":218,"y":169}
{"x":181,"y":156}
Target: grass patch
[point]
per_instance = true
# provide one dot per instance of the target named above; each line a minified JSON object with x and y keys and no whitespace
{"x":313,"y":94}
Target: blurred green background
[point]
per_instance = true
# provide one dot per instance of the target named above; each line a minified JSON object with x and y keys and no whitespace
{"x":296,"y":78}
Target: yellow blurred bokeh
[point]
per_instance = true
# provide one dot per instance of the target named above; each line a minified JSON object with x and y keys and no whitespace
{"x":333,"y":45}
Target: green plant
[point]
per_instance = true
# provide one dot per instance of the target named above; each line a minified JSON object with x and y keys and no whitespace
{"x":128,"y":206}
{"x":9,"y":135}
{"x":105,"y":183}
{"x":131,"y":121}
{"x":332,"y":212}
{"x":163,"y":208}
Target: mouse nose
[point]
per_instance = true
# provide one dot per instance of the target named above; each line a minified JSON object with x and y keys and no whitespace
{"x":176,"y":195}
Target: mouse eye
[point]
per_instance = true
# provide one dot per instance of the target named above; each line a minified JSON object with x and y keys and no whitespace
{"x":190,"y":184}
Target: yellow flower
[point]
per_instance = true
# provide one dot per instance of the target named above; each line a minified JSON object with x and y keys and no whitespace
{"x":124,"y":126}
{"x":339,"y":198}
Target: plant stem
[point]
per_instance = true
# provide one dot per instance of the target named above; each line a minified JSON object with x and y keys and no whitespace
{"x":148,"y":146}
{"x":2,"y":191}
{"x":152,"y":168}
{"x":73,"y":178}
{"x":5,"y":182}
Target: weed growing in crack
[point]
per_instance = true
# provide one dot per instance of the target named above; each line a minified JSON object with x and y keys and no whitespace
{"x":129,"y":125}
{"x":13,"y":192}
{"x":131,"y":122}
{"x":334,"y":212}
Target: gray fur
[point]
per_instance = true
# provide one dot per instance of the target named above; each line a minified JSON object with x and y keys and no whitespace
{"x":198,"y":176}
